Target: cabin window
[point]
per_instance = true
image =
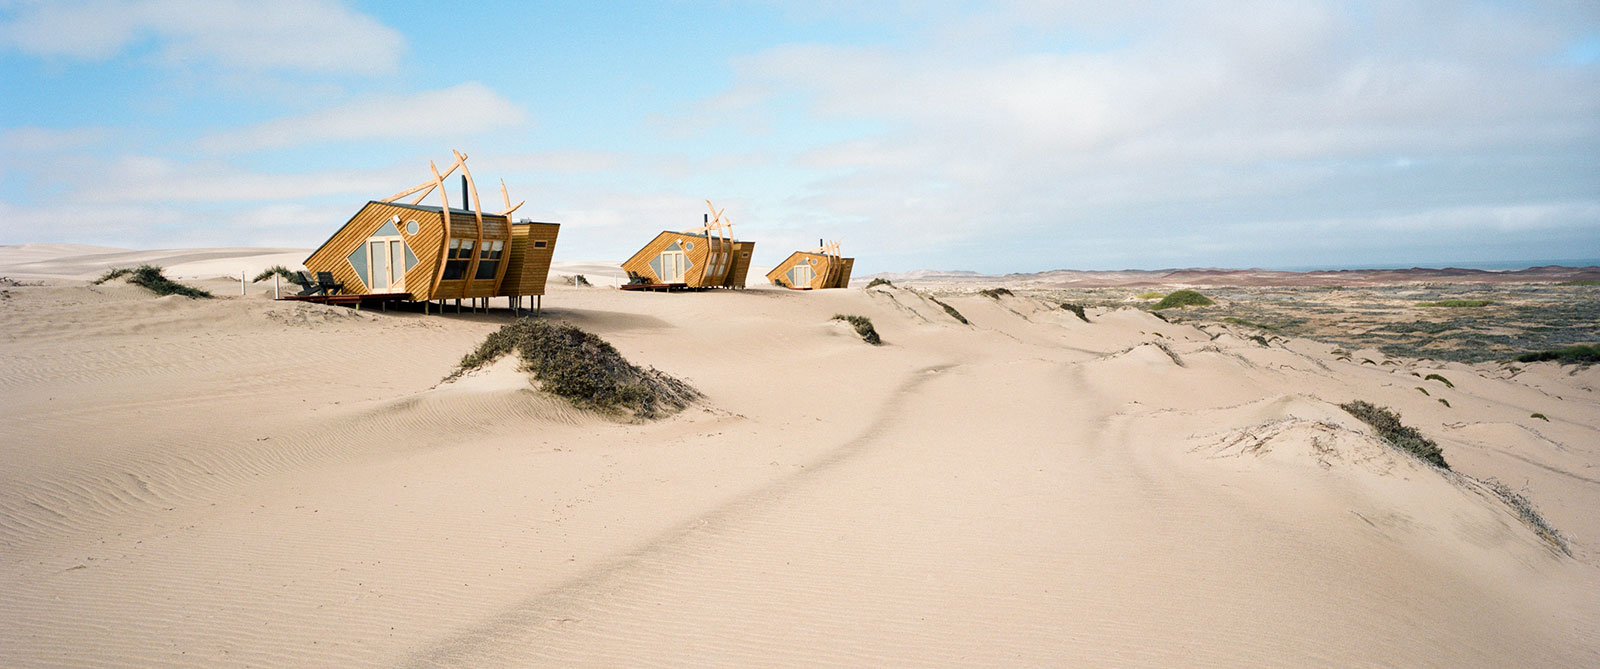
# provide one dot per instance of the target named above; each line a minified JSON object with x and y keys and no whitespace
{"x":383,"y":259}
{"x":489,"y":259}
{"x":746,"y":254}
{"x":455,"y":264}
{"x":672,"y":264}
{"x":539,"y":244}
{"x":411,"y":227}
{"x":689,"y":245}
{"x":801,"y":275}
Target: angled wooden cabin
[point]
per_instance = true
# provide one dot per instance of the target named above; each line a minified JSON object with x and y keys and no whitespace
{"x":818,"y":268}
{"x":703,"y":257}
{"x":427,"y":252}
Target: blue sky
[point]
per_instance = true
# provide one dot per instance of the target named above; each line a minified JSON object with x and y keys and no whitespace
{"x":997,"y":136}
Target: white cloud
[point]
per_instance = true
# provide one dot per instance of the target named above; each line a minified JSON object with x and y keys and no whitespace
{"x":148,"y":179}
{"x":1046,"y":120}
{"x":462,"y":110}
{"x":37,"y":140}
{"x":311,"y":35}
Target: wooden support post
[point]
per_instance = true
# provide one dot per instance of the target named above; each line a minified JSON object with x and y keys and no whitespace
{"x":275,"y":294}
{"x":241,"y":284}
{"x":539,"y":305}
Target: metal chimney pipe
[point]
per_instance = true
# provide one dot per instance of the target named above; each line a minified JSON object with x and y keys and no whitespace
{"x":465,"y":204}
{"x":705,"y":218}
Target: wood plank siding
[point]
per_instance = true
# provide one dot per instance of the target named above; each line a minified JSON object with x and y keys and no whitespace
{"x":742,"y":251}
{"x":424,"y":280}
{"x":426,"y":245}
{"x":528,"y":264}
{"x":695,"y":247}
{"x":827,"y":271}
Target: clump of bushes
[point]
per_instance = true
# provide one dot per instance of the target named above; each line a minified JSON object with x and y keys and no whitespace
{"x":1405,"y":438}
{"x":1240,"y":321}
{"x":577,"y":280}
{"x":1580,"y":282}
{"x":1183,"y":298}
{"x":1441,"y":379}
{"x":994,"y":293}
{"x":1580,"y":354}
{"x":279,"y":270}
{"x":950,"y":310}
{"x":582,"y":368}
{"x":863,"y":326}
{"x":150,"y":278}
{"x":1150,"y":295}
{"x":1457,"y":303}
{"x":1539,"y":416}
{"x":1077,"y":309}
{"x":880,"y":281}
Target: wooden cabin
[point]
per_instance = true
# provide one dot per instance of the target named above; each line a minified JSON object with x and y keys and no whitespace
{"x":703,"y":257}
{"x":818,"y":268}
{"x":426,"y":252}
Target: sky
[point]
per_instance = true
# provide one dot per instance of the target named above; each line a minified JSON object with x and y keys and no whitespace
{"x":997,"y":136}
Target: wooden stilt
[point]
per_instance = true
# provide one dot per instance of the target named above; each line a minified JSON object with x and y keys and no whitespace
{"x":538,"y":305}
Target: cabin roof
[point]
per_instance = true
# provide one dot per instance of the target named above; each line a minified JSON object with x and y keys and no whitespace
{"x":701,"y":235}
{"x":434,"y":209}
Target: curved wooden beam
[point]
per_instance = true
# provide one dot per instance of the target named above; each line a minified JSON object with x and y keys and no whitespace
{"x":444,"y":216}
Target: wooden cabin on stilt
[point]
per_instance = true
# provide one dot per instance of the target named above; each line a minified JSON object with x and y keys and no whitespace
{"x":394,"y":250}
{"x":821,"y":267}
{"x":698,"y":258}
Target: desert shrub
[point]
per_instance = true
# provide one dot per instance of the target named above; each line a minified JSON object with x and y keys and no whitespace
{"x":1150,"y":295}
{"x":1405,"y":438}
{"x":1441,"y":379}
{"x":112,"y":274}
{"x":1170,"y":353}
{"x":279,"y":270}
{"x":1260,"y":340}
{"x":1240,"y":321}
{"x":1077,"y":309}
{"x":880,"y":281}
{"x":994,"y":293}
{"x":1580,"y":282}
{"x":1457,"y":303}
{"x":863,"y":326}
{"x":582,"y":368}
{"x":1445,"y":402}
{"x":577,"y":280}
{"x":1183,"y":298}
{"x":1158,"y":315}
{"x":1528,"y":514}
{"x":1424,"y":391}
{"x":150,"y":278}
{"x":1579,"y":354}
{"x":950,"y":310}
{"x":1539,"y":416}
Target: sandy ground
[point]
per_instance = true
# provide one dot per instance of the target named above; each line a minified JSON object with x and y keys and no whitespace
{"x":241,"y":482}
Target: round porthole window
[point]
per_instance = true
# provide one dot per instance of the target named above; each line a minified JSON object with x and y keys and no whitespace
{"x":689,"y":246}
{"x":411,"y":227}
{"x":812,"y":261}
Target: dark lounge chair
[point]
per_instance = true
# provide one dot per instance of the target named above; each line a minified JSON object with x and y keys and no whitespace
{"x":328,"y":284}
{"x":308,"y":285}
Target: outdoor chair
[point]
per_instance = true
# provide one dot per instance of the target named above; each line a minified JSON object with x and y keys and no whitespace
{"x":308,"y":285}
{"x":328,"y":284}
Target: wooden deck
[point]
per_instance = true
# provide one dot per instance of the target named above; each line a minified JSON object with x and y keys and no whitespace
{"x":355,"y":300}
{"x":659,"y":287}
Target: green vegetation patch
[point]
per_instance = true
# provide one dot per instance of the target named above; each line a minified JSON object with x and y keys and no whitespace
{"x":994,"y":293}
{"x":1150,"y":295}
{"x":278,"y":270}
{"x":1580,"y":282}
{"x":1441,"y":379}
{"x":1539,"y":416}
{"x":583,"y":369}
{"x":1240,"y":321}
{"x":1405,"y":438}
{"x":1579,"y":354}
{"x":1457,"y":303}
{"x":1183,"y":298}
{"x":863,"y":326}
{"x":880,"y":281}
{"x":950,"y":310}
{"x":1076,"y":309}
{"x":150,"y":278}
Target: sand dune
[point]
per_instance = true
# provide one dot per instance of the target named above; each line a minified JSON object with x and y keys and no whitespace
{"x":244,"y":482}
